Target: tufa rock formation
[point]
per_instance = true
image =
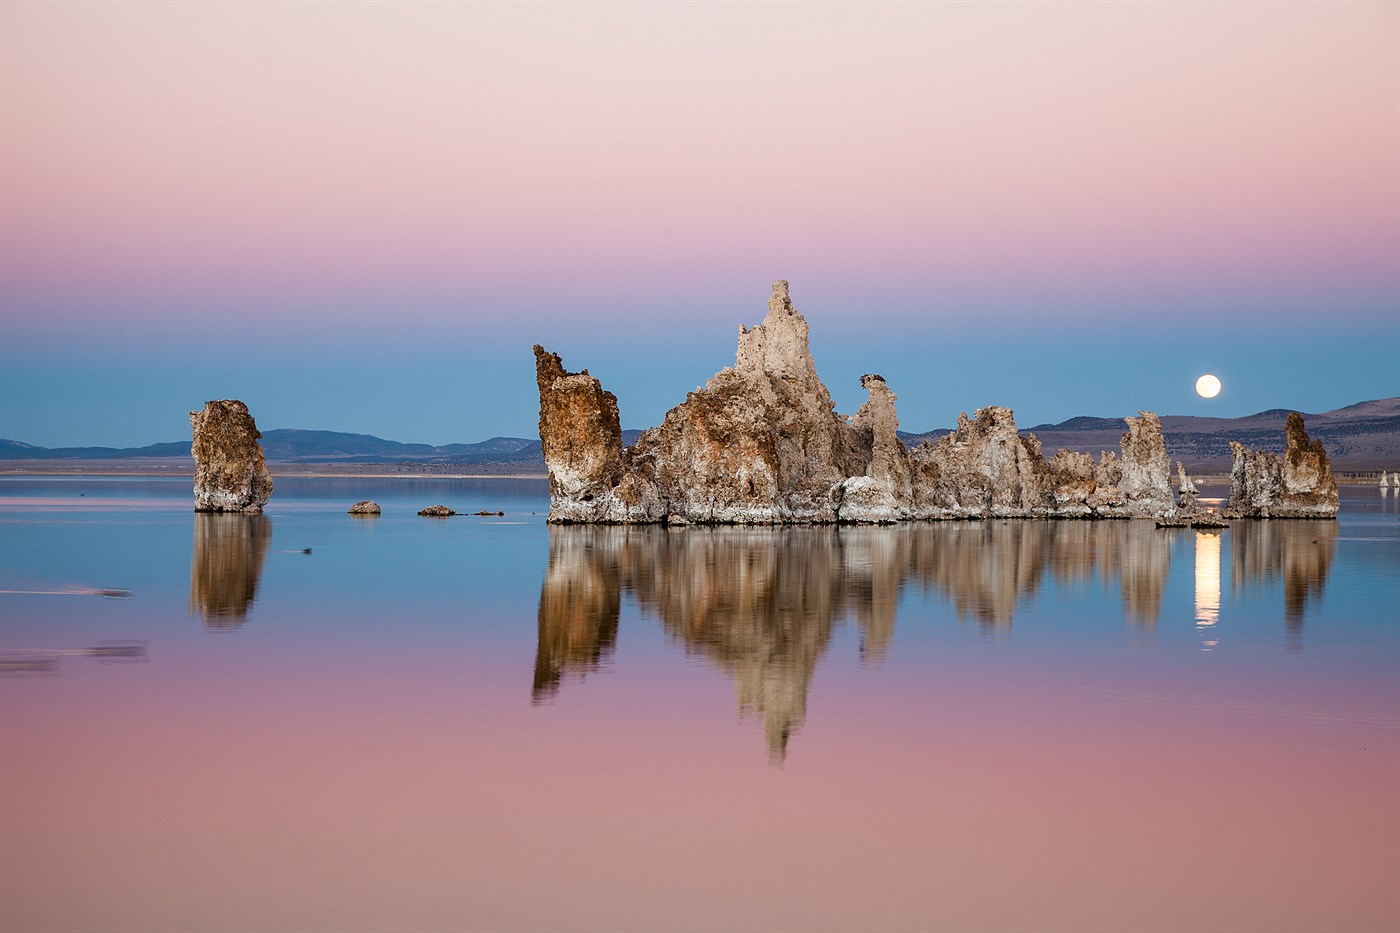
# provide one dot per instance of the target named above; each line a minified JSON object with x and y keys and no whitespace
{"x":437,"y":511}
{"x":229,"y":472}
{"x":1298,"y":484}
{"x":364,"y":507}
{"x":762,"y":443}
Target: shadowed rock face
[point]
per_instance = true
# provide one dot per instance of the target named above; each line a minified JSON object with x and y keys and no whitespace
{"x":762,"y":443}
{"x":229,"y":472}
{"x":1298,"y":484}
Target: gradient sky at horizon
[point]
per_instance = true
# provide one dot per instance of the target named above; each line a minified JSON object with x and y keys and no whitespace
{"x":359,"y":217}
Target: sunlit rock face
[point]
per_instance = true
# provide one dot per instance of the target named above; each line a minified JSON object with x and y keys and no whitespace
{"x":1146,"y":481}
{"x":984,"y":469}
{"x":227,"y":564}
{"x":582,"y":442}
{"x":761,"y":443}
{"x":886,"y":492}
{"x":230,"y":474}
{"x":1298,"y":484}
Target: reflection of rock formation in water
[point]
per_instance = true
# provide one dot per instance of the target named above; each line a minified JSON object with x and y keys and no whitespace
{"x":761,"y":443}
{"x":762,"y":603}
{"x":759,"y":605}
{"x":1298,"y":484}
{"x":229,"y":472}
{"x":579,"y":605}
{"x":228,"y":559}
{"x":1298,"y":553}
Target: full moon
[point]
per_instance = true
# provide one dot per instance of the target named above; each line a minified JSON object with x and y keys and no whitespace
{"x":1207,"y":386}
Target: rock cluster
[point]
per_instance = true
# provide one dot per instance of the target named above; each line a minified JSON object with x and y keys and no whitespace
{"x":230,"y":474}
{"x":1298,"y":484}
{"x":762,"y":443}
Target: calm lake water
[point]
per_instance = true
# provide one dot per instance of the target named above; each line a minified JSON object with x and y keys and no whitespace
{"x":488,"y":723}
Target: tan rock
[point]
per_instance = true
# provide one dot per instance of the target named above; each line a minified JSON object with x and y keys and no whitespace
{"x":886,"y":492}
{"x":230,"y":474}
{"x":1298,"y":484}
{"x":1146,"y":481}
{"x":761,"y":443}
{"x":984,"y":469}
{"x":365,"y":507}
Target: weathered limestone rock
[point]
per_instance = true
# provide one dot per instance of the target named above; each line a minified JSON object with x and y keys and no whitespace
{"x":762,"y":443}
{"x":984,"y":469}
{"x":230,"y":474}
{"x":437,"y":511}
{"x":1146,"y":481}
{"x":1074,"y":483}
{"x":886,"y":492}
{"x":364,"y":507}
{"x":582,"y":442}
{"x":1298,"y":484}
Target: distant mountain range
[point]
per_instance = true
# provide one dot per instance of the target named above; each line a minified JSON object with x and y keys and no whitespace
{"x":294,"y":445}
{"x":1360,"y":437}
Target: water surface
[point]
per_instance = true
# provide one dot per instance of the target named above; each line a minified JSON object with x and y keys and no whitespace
{"x":309,"y":720}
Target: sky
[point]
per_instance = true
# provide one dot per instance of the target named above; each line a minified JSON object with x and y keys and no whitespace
{"x":360,"y":216}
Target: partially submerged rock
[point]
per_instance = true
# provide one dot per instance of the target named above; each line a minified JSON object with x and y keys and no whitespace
{"x":230,"y":474}
{"x":437,"y":511}
{"x":1298,"y":484}
{"x":364,"y":507}
{"x":762,"y":443}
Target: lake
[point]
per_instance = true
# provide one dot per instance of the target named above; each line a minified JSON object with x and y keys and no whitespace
{"x":313,"y":721}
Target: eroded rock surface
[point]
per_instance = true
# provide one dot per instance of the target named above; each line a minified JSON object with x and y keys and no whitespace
{"x":230,"y":474}
{"x":761,"y":443}
{"x":364,"y":507}
{"x":1298,"y":484}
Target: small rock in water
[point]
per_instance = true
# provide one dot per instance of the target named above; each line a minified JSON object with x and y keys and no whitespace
{"x":364,"y":507}
{"x":483,"y":512}
{"x":437,"y":511}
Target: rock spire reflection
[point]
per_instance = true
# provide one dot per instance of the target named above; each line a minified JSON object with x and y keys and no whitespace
{"x":762,"y":604}
{"x":1296,"y":553}
{"x":579,"y":605}
{"x":228,"y":558}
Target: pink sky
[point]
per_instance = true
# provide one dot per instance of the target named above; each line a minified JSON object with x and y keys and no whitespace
{"x":614,"y":177}
{"x":158,"y":155}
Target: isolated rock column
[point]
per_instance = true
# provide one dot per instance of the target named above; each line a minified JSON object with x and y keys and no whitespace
{"x":230,"y":474}
{"x":1147,"y":472}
